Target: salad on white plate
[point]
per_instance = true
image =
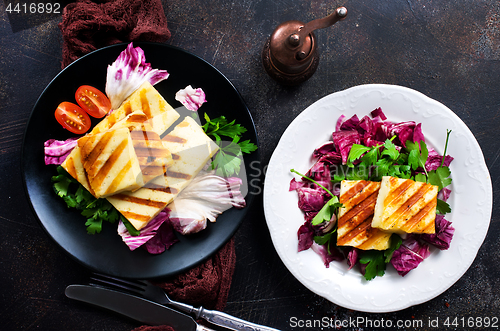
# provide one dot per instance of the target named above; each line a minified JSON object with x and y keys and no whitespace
{"x":470,"y":201}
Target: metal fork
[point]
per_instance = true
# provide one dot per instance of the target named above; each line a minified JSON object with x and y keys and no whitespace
{"x":146,"y":289}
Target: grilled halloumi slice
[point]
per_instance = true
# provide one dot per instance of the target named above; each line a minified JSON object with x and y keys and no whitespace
{"x":146,"y":99}
{"x":405,"y":206}
{"x":191,"y":149}
{"x":73,"y":165}
{"x":154,"y":158}
{"x":110,"y":162}
{"x":354,"y":228}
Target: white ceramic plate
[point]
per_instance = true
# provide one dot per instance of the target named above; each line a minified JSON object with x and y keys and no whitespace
{"x":471,"y":200}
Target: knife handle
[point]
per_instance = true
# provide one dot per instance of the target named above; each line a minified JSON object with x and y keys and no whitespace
{"x":234,"y":323}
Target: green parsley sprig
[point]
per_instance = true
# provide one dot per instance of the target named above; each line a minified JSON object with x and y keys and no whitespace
{"x":376,"y":261}
{"x":228,"y":159}
{"x":97,"y":211}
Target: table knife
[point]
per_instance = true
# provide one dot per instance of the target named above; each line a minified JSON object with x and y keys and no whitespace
{"x":139,"y":309}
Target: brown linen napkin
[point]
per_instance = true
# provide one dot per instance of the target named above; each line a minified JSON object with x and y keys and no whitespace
{"x":89,"y":25}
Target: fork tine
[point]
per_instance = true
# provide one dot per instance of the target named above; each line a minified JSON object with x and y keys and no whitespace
{"x":113,"y":282}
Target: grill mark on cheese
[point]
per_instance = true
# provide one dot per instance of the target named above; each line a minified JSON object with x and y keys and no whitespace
{"x":363,"y":207}
{"x":174,"y":139}
{"x":145,"y":103}
{"x":414,"y":223}
{"x":137,"y":118}
{"x":156,"y":187}
{"x":90,"y":155}
{"x":175,"y":174}
{"x":119,"y":178}
{"x":362,"y":188}
{"x":398,"y":193}
{"x":356,"y":230}
{"x":134,"y":216}
{"x":424,"y":212}
{"x":109,"y":164}
{"x":175,"y":156}
{"x":139,"y":201}
{"x":354,"y":224}
{"x":404,"y":213}
{"x":127,"y":107}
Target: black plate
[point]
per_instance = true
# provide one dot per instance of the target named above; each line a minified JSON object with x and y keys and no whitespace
{"x":106,"y":252}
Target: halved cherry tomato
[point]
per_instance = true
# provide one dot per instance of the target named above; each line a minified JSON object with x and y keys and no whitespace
{"x":93,"y":101}
{"x":72,"y":117}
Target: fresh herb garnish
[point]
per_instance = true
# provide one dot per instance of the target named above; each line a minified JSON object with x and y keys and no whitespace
{"x":228,"y":159}
{"x":76,"y":196}
{"x":376,"y":261}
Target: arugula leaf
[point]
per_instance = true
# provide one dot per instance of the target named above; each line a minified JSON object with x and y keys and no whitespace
{"x":228,"y":159}
{"x":327,"y":211}
{"x":76,"y":196}
{"x":321,"y":240}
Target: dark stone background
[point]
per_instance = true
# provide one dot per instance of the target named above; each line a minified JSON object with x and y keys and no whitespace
{"x":448,"y":50}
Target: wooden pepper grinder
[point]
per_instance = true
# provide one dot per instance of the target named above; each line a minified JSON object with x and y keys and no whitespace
{"x":290,"y":55}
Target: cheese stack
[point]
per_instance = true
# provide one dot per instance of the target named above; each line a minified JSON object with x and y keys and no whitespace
{"x":191,"y":149}
{"x":355,"y":216}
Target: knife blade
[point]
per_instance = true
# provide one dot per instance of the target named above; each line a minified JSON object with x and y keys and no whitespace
{"x":139,"y":309}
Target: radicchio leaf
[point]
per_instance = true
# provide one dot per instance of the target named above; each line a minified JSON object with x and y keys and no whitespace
{"x":409,"y":255}
{"x":191,"y":98}
{"x":443,"y":236}
{"x":128,"y":73}
{"x":327,"y":255}
{"x":146,"y":233}
{"x":56,"y":151}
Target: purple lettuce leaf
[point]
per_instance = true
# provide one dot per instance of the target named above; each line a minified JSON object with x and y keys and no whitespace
{"x":191,"y":98}
{"x":305,"y":234}
{"x":312,"y":199}
{"x":409,"y":255}
{"x":434,"y":160}
{"x":444,"y":194}
{"x":334,"y":254}
{"x":443,"y":236}
{"x":403,"y":131}
{"x":418,"y":135}
{"x":56,"y":151}
{"x":344,"y":140}
{"x":128,"y":73}
{"x":163,"y":240}
{"x":378,"y":113}
{"x":146,"y":233}
{"x":350,"y":124}
{"x":352,"y":258}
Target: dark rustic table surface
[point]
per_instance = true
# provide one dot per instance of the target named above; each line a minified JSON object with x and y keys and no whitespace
{"x":448,"y":50}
